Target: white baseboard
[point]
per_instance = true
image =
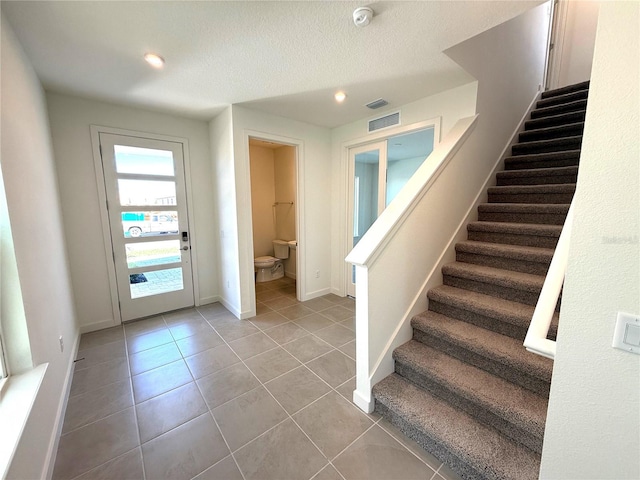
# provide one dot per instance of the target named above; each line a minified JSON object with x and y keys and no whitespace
{"x":316,"y":294}
{"x":92,"y":327}
{"x":208,"y":300}
{"x":362,"y":403}
{"x":290,"y":275}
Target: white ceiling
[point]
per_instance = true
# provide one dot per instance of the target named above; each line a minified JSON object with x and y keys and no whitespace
{"x":286,"y":58}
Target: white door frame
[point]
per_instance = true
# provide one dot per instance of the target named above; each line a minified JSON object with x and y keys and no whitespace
{"x":301,"y":288}
{"x":96,"y":130}
{"x":348,"y":169}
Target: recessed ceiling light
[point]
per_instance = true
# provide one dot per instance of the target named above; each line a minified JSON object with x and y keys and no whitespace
{"x":340,"y":96}
{"x":154,"y":60}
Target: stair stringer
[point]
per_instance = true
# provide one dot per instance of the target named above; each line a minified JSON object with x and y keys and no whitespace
{"x":402,"y":332}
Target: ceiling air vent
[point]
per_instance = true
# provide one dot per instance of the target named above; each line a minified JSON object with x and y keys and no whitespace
{"x":383,"y":122}
{"x":377,"y":104}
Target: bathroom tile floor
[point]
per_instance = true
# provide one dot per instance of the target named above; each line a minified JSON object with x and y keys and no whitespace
{"x":200,"y":394}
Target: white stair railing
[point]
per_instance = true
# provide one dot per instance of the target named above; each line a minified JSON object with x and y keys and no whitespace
{"x":536,"y":340}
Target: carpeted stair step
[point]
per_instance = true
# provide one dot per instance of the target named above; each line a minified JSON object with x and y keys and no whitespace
{"x":495,"y":353}
{"x":538,"y":176}
{"x":505,"y":284}
{"x":525,"y":234}
{"x":496,"y":314}
{"x":555,"y":120}
{"x":547,"y":146}
{"x":531,"y":260}
{"x":547,"y":214}
{"x":559,"y":109}
{"x":543,"y":160}
{"x":562,"y":99}
{"x":514,"y":411}
{"x":568,"y":89}
{"x":549,"y":133}
{"x":559,"y":193}
{"x":470,"y":448}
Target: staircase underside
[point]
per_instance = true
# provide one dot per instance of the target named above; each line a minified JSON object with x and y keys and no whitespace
{"x":464,"y":387}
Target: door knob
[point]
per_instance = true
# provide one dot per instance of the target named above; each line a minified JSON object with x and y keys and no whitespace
{"x":185,"y":247}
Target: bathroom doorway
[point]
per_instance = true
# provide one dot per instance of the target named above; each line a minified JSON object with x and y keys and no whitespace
{"x":274,"y":214}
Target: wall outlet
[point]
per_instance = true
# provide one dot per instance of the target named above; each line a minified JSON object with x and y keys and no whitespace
{"x":317,"y":273}
{"x":61,"y":343}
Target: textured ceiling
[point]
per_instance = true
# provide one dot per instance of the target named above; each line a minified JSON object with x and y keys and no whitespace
{"x":286,"y":58}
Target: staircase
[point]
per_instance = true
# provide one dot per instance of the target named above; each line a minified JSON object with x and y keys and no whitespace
{"x":464,"y":387}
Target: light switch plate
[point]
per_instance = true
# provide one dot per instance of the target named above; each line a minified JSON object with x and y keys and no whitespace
{"x":627,"y":334}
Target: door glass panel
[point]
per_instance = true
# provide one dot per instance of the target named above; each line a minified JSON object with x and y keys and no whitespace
{"x":155,"y":282}
{"x":146,"y":192}
{"x":405,"y":153}
{"x":149,"y":224}
{"x":152,"y":253}
{"x":365,"y":202}
{"x":143,"y":161}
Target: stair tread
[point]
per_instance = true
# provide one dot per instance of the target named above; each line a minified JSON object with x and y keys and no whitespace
{"x":555,"y":208}
{"x":538,"y":172}
{"x":554,"y":129}
{"x":558,"y":119}
{"x":543,"y":112}
{"x":550,"y":141}
{"x":551,"y":188}
{"x":496,"y":276}
{"x":538,"y":229}
{"x":478,"y":447}
{"x":505,"y":350}
{"x":563,"y":98}
{"x":549,"y":156}
{"x":507,"y":311}
{"x":511,"y":402}
{"x":539,"y":254}
{"x":569,"y":88}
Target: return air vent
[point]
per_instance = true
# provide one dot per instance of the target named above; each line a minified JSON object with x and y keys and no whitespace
{"x":384,"y":122}
{"x":381,"y":102}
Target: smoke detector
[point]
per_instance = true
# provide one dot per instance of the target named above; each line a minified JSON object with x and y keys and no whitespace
{"x":362,"y":16}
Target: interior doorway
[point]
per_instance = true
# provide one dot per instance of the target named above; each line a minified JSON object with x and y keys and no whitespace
{"x":275,"y":212}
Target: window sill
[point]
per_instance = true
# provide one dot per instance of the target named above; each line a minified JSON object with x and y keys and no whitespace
{"x":16,"y":400}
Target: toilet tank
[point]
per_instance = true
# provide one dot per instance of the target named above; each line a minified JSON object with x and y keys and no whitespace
{"x":280,"y":249}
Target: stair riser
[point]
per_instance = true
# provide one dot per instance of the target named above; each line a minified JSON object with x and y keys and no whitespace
{"x":519,"y":377}
{"x":537,"y":218}
{"x":546,"y":147}
{"x":559,"y":109}
{"x":513,"y":239}
{"x":561,"y":132}
{"x":476,"y":410}
{"x":555,"y":121}
{"x":562,"y":99}
{"x":516,"y":163}
{"x":516,"y":265}
{"x":506,"y":180}
{"x":538,"y":198}
{"x":568,"y":89}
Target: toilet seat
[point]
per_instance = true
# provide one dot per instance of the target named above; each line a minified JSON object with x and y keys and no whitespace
{"x":265,"y":262}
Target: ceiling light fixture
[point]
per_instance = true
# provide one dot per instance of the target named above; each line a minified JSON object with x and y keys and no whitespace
{"x":362,"y":16}
{"x":154,"y":60}
{"x":340,"y":96}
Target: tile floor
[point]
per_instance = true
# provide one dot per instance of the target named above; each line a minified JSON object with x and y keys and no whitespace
{"x":200,"y":394}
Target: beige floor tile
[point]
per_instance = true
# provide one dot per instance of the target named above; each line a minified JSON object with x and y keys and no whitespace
{"x":336,"y":335}
{"x":184,"y":452}
{"x":396,"y":433}
{"x":279,"y":303}
{"x":349,"y":349}
{"x":127,"y":466}
{"x":314,"y":322}
{"x":101,"y":337}
{"x":148,"y":340}
{"x":271,"y":364}
{"x":319,"y":421}
{"x":328,"y":473}
{"x":99,"y":375}
{"x":225,"y":469}
{"x":212,"y":310}
{"x":169,"y":410}
{"x":334,"y":368}
{"x":297,"y":389}
{"x":182,"y":316}
{"x":211,"y":361}
{"x":160,"y":380}
{"x":445,"y":473}
{"x":222,"y":319}
{"x":247,"y":347}
{"x":267,"y":295}
{"x":244,"y":418}
{"x":220,"y":387}
{"x":100,"y":354}
{"x":350,"y":323}
{"x":199,"y":343}
{"x":307,"y":348}
{"x":318,"y":304}
{"x":286,"y":333}
{"x":92,"y":445}
{"x":337,"y":313}
{"x":276,"y":455}
{"x":148,"y":325}
{"x":378,"y":456}
{"x":347,"y":388}
{"x":269,"y":320}
{"x":295,"y":312}
{"x":189,"y":328}
{"x":96,"y":404}
{"x":236,"y":329}
{"x":153,"y":358}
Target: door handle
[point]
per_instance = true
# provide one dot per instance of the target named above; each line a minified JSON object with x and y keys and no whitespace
{"x":186,"y":247}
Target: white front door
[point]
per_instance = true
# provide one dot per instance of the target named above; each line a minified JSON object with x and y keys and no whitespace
{"x":146,"y":201}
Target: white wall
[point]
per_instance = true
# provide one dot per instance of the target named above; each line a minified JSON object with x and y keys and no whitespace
{"x":263,"y":195}
{"x":70,"y":119}
{"x":41,"y":254}
{"x":593,"y":422}
{"x":451,"y":105}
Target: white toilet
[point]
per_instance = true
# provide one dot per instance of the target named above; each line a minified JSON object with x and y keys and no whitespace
{"x":270,"y":268}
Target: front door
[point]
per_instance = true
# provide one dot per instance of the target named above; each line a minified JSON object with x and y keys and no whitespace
{"x":146,"y":201}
